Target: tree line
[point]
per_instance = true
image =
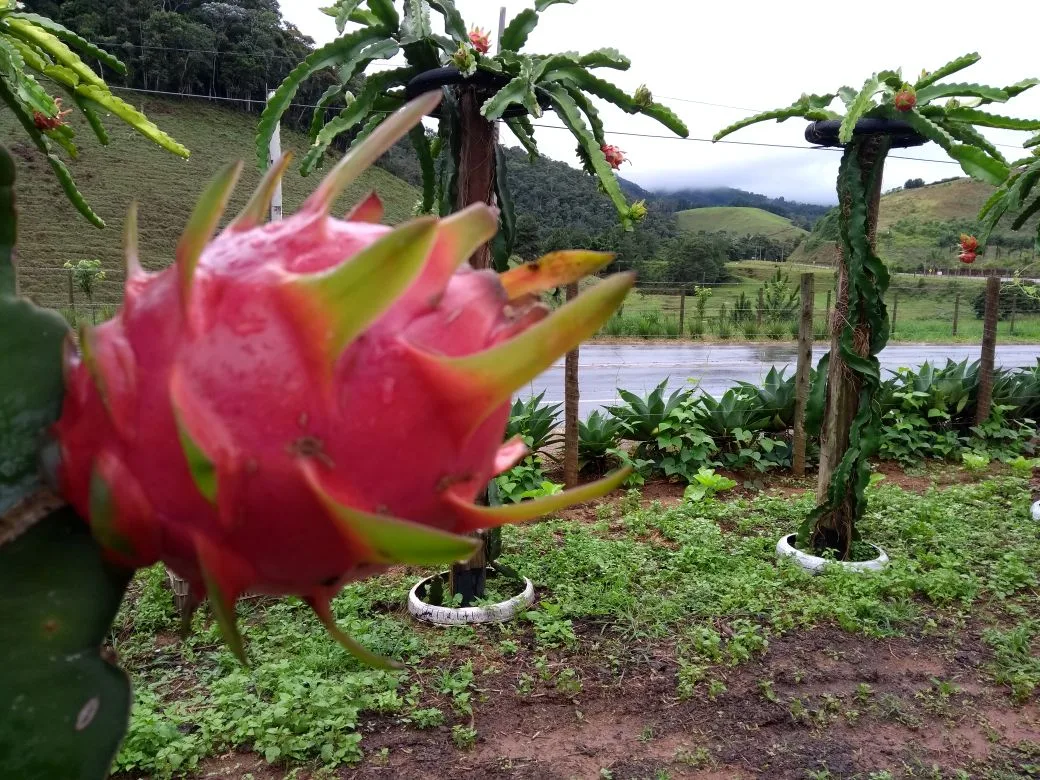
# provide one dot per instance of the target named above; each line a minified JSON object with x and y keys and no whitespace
{"x":238,"y":49}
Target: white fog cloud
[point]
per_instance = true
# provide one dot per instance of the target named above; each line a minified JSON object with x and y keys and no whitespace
{"x":755,"y":54}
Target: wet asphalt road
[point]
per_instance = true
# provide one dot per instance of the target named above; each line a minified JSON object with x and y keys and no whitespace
{"x":639,"y":367}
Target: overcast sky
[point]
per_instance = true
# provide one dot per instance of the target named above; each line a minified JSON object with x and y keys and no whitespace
{"x":755,"y":55}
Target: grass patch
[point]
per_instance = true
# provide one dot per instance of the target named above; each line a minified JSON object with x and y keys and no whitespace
{"x":924,"y":309}
{"x":699,"y":580}
{"x":741,"y":220}
{"x":165,"y":187}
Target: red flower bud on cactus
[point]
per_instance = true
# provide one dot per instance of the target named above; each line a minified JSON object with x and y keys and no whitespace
{"x":969,"y":243}
{"x":614,"y":156}
{"x":906,"y":98}
{"x":966,"y":257}
{"x":44,"y":123}
{"x":480,"y":40}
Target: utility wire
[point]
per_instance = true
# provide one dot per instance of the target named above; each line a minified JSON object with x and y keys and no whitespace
{"x":390,"y":65}
{"x":745,"y":143}
{"x":552,"y":127}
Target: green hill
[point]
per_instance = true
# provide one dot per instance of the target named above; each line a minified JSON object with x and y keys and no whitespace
{"x":165,"y":187}
{"x":920,"y":227}
{"x":739,"y":220}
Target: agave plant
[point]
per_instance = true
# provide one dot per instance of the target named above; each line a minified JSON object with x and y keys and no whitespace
{"x":735,"y":410}
{"x":1020,"y":390}
{"x":886,"y":111}
{"x":642,"y":416}
{"x":776,"y":397}
{"x":30,"y":43}
{"x":597,"y":436}
{"x":510,"y":85}
{"x":536,"y":423}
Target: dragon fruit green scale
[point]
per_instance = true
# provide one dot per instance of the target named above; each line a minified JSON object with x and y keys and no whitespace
{"x":296,"y":405}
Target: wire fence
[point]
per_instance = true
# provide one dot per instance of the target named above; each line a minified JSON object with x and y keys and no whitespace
{"x":928,"y":309}
{"x":923,"y":307}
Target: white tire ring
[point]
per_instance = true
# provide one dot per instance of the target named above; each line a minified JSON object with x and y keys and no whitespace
{"x":815,"y":564}
{"x":451,"y":616}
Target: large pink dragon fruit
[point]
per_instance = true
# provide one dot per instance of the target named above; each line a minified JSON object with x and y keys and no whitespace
{"x":296,"y":405}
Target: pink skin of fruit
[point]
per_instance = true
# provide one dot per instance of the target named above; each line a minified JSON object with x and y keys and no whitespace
{"x":905,"y":100}
{"x":480,"y":39}
{"x":614,"y":156}
{"x":242,"y":422}
{"x":966,"y":257}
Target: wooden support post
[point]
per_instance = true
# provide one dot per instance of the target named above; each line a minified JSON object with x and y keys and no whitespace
{"x":895,"y":311}
{"x":801,"y":377}
{"x":476,"y":184}
{"x":843,"y":385}
{"x":571,"y":397}
{"x":956,"y":311}
{"x":682,"y":309}
{"x":989,"y":348}
{"x":827,"y":312}
{"x":760,"y":310}
{"x":274,"y":152}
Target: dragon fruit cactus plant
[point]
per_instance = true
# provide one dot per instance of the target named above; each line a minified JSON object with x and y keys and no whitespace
{"x":296,"y":405}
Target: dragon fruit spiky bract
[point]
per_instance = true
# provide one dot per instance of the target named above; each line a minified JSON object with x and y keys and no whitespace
{"x":293,"y":406}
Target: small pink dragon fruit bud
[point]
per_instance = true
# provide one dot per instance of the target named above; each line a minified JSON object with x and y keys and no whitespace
{"x":45,"y":123}
{"x":906,"y":98}
{"x":614,"y":156}
{"x":969,"y":243}
{"x":464,"y":60}
{"x":480,"y":40}
{"x":966,"y":257}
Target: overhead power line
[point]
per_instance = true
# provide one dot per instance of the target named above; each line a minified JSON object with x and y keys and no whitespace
{"x":555,"y":127}
{"x":745,"y":143}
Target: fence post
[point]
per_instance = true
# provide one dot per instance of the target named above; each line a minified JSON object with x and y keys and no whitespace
{"x":801,"y":377}
{"x":682,"y":309}
{"x":989,"y":346}
{"x":827,"y":313}
{"x":895,"y":311}
{"x":760,"y":309}
{"x":956,"y":311}
{"x":571,"y":396}
{"x":1014,"y":307}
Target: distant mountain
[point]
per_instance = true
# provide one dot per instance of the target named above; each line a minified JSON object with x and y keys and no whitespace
{"x":803,"y":215}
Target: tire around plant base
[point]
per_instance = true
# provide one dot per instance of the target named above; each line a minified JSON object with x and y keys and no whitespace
{"x":816,"y":564}
{"x":462,"y":616}
{"x":825,"y":132}
{"x":432,"y":80}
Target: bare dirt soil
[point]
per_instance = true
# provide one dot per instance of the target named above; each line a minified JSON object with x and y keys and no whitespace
{"x":820,"y":701}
